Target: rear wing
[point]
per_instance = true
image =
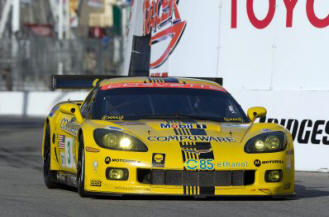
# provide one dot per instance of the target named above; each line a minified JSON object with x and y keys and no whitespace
{"x":86,"y":81}
{"x":77,"y":81}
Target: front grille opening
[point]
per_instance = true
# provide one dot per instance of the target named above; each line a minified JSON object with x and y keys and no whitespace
{"x":144,"y":176}
{"x":249,"y":177}
{"x":196,"y":178}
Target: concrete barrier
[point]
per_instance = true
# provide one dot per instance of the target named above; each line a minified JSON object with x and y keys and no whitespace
{"x":34,"y":104}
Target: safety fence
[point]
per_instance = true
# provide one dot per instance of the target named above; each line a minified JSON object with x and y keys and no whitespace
{"x":27,"y":64}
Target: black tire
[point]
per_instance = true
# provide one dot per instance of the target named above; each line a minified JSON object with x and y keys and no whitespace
{"x":81,"y":169}
{"x":49,"y":176}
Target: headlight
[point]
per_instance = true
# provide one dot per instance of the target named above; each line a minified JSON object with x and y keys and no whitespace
{"x":118,"y":141}
{"x":267,"y":143}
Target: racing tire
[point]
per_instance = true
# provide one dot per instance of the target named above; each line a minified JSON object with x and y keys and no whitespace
{"x":81,"y":170}
{"x":49,"y":176}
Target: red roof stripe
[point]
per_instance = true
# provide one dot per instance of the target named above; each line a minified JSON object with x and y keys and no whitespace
{"x":162,"y":85}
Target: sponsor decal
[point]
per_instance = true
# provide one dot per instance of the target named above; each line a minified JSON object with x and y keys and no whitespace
{"x":61,"y":141}
{"x":232,"y":165}
{"x":158,"y":160}
{"x":233,"y":119}
{"x":210,"y":164}
{"x":266,"y":130}
{"x":163,"y":21}
{"x":52,"y":112}
{"x":70,"y":128}
{"x":192,"y":164}
{"x":109,"y":118}
{"x":96,"y":183}
{"x":315,"y":19}
{"x":92,"y":150}
{"x":180,"y":138}
{"x":182,"y":126}
{"x":124,"y":161}
{"x":113,"y":128}
{"x":163,"y":85}
{"x":273,"y":162}
{"x":258,"y":163}
{"x":62,"y":155}
{"x":306,"y":131}
{"x":69,"y":161}
{"x":107,"y":160}
{"x":235,"y":125}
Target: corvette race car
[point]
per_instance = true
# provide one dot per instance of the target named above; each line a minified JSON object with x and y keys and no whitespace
{"x":165,"y":136}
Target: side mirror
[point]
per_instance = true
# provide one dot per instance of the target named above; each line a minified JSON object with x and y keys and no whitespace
{"x":72,"y":109}
{"x":256,"y":112}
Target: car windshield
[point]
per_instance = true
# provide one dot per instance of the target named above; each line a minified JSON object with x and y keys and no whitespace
{"x":166,"y":103}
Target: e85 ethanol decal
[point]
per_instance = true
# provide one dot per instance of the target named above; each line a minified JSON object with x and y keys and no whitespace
{"x":210,"y":164}
{"x":305,"y":131}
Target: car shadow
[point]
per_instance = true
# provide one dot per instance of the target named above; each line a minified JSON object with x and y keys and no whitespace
{"x":301,"y":192}
{"x":310,"y":192}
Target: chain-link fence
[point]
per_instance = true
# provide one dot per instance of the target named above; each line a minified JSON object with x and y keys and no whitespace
{"x":27,"y":64}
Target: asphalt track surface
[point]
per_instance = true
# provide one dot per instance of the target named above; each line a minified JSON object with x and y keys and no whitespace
{"x":22,"y":192}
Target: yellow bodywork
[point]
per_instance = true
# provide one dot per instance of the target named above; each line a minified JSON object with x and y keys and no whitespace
{"x":163,"y":155}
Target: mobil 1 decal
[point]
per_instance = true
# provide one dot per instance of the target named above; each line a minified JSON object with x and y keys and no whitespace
{"x":193,"y":150}
{"x":304,"y":131}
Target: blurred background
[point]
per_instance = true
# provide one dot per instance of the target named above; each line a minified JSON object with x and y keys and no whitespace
{"x":39,"y":38}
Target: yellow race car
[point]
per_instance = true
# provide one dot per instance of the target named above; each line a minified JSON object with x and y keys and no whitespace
{"x":164,"y":136}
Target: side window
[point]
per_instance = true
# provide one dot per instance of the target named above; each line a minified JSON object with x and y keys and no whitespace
{"x":87,"y":106}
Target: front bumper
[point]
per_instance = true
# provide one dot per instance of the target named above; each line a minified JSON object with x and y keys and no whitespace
{"x":243,"y":181}
{"x":193,"y":186}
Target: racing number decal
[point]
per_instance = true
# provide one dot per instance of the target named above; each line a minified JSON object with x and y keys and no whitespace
{"x":203,"y":164}
{"x":206,"y":164}
{"x":69,"y":152}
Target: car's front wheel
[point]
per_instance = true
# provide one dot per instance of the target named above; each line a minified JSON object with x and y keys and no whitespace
{"x":81,"y":169}
{"x":48,"y":175}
